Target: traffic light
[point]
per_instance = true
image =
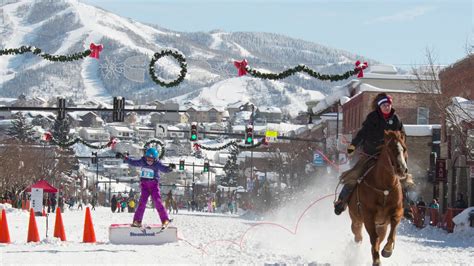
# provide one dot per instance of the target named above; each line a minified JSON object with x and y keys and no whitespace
{"x":181,"y":165}
{"x":249,"y":134}
{"x":206,"y":167}
{"x":118,"y":113}
{"x":61,"y":108}
{"x":194,"y":135}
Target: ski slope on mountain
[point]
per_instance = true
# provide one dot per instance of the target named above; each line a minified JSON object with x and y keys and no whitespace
{"x":69,"y":26}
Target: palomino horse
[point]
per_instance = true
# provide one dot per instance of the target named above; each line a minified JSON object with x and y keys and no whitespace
{"x":171,"y":204}
{"x":377,"y":201}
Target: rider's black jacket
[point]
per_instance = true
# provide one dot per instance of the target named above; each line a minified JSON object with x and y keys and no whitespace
{"x":371,"y":135}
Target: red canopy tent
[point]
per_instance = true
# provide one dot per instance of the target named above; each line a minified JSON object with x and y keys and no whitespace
{"x":44,"y":185}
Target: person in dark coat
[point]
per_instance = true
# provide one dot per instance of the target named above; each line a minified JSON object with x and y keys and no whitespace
{"x":369,"y":137}
{"x":113,"y":203}
{"x":53,"y":202}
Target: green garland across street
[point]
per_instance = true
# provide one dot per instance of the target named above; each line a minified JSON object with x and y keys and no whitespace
{"x":231,"y":143}
{"x":55,"y":58}
{"x":299,"y":68}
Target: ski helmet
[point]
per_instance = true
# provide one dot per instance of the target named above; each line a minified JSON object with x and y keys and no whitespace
{"x":152,"y":153}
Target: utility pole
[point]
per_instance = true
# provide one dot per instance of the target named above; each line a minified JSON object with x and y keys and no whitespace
{"x":96,"y":171}
{"x":251,"y":168}
{"x":208,"y":181}
{"x":193,"y":183}
{"x":110,"y":190}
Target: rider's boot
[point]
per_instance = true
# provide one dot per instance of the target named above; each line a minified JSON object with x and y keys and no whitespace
{"x":341,"y":203}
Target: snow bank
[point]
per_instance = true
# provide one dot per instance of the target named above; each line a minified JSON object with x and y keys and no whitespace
{"x":463,"y":223}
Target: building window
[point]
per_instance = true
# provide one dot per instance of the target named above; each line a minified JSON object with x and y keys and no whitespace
{"x":423,"y":116}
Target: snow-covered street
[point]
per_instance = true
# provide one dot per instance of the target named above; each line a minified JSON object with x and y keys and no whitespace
{"x":320,"y":238}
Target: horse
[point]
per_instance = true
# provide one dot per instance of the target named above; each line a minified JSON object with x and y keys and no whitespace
{"x":377,"y":200}
{"x":171,"y":204}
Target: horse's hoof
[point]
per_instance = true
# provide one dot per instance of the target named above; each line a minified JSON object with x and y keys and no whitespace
{"x":386,"y":254}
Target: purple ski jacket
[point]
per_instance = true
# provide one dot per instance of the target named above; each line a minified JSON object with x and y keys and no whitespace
{"x":148,"y":172}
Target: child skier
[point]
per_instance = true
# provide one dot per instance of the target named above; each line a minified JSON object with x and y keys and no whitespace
{"x":149,"y":184}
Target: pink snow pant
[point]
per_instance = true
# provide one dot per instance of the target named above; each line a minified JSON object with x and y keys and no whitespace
{"x":150,"y":187}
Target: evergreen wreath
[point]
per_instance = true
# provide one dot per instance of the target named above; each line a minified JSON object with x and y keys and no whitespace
{"x":243,"y":69}
{"x":93,"y":52}
{"x":159,"y":142}
{"x":182,"y":63}
{"x":49,"y":138}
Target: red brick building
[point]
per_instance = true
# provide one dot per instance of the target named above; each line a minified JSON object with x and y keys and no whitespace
{"x":457,"y":80}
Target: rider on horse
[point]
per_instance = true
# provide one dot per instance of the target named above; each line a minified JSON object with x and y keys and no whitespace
{"x":370,"y":137}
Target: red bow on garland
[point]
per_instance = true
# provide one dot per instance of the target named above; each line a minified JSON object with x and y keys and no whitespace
{"x":95,"y":50}
{"x":112,"y":142}
{"x":196,"y":146}
{"x":47,"y":136}
{"x":360,"y":68}
{"x":241,"y":67}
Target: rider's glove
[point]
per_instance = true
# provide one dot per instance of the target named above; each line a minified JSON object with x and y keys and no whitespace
{"x":350,"y":150}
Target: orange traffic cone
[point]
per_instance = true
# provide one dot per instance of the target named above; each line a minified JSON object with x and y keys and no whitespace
{"x":89,"y":234}
{"x":4,"y":233}
{"x":58,"y":226}
{"x":33,"y":235}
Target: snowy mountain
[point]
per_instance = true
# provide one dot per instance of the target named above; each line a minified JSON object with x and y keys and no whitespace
{"x":67,"y":27}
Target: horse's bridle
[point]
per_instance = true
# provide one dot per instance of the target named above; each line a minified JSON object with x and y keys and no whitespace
{"x":385,"y":192}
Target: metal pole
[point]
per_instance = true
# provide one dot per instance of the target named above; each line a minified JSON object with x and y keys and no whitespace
{"x":251,"y":165}
{"x":208,"y":181}
{"x":337,"y":135}
{"x":110,"y":190}
{"x":193,"y":183}
{"x":96,"y":184}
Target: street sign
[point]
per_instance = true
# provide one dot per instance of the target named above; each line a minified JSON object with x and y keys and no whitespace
{"x":271,"y":136}
{"x":318,"y":160}
{"x":37,"y":199}
{"x":161,"y":130}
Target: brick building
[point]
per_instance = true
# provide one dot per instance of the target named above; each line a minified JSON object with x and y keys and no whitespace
{"x":457,"y":80}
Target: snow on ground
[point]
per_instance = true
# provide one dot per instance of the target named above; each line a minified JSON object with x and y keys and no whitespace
{"x":303,"y":231}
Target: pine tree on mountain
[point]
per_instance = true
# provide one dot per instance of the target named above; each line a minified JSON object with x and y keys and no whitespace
{"x":21,"y":129}
{"x":61,"y":130}
{"x":231,"y":168}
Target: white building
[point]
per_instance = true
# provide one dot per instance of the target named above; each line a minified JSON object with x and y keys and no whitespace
{"x":120,"y":132}
{"x":144,"y":133}
{"x":94,"y":134}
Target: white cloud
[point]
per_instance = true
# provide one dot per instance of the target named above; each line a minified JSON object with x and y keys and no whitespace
{"x":402,"y":16}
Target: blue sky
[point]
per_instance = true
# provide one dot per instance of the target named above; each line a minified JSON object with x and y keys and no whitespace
{"x":393,"y":32}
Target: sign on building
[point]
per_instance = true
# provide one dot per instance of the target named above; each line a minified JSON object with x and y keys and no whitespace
{"x":441,"y":173}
